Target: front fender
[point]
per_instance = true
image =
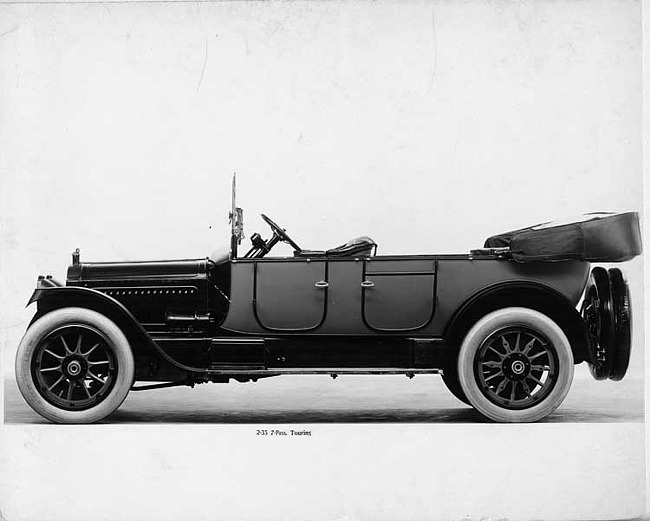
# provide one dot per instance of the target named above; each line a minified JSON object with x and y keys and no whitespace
{"x":48,"y":298}
{"x":51,"y":298}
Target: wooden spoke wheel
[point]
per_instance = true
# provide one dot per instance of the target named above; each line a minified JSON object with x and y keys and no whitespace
{"x":515,"y":365}
{"x":74,"y":365}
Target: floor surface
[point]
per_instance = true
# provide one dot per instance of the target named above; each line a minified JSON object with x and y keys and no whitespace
{"x":348,"y":399}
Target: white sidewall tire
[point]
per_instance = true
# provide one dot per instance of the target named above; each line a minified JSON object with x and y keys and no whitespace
{"x":508,"y":317}
{"x":118,"y":343}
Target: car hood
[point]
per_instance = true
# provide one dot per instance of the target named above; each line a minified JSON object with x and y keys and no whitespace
{"x":167,"y":269}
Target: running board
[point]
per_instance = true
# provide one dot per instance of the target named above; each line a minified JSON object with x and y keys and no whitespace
{"x":241,"y":371}
{"x":227,"y":356}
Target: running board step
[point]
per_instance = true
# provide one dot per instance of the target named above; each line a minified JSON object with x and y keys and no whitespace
{"x":231,"y":370}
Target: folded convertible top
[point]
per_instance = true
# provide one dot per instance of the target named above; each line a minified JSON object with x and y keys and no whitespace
{"x":598,"y":237}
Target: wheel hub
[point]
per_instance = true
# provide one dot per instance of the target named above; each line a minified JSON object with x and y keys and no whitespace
{"x":75,"y":368}
{"x":516,"y":367}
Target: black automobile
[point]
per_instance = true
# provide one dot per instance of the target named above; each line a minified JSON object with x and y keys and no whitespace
{"x":503,"y":324}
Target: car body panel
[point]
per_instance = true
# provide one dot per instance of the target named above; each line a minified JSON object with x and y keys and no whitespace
{"x":398,"y":295}
{"x":290,"y":300}
{"x":410,"y":286}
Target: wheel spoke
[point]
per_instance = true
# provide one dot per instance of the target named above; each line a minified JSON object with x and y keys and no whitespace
{"x":501,"y":386}
{"x":495,"y":365}
{"x":95,"y":377}
{"x":77,"y":349}
{"x":65,"y":345}
{"x":534,"y":379}
{"x":500,"y":355}
{"x":70,"y":389}
{"x":49,"y":369}
{"x":528,"y":346}
{"x":526,"y":388}
{"x":83,"y":384}
{"x":55,"y":383}
{"x":500,"y":373}
{"x":540,"y":367}
{"x":516,"y":348}
{"x":99,"y":363}
{"x":505,"y":344}
{"x":512,"y":391}
{"x":53,"y":354}
{"x":85,"y":355}
{"x":530,"y":359}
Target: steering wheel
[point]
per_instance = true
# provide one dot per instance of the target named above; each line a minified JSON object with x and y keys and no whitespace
{"x":281,"y":233}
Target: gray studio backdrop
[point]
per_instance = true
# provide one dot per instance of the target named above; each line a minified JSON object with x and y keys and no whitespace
{"x":427,"y":126}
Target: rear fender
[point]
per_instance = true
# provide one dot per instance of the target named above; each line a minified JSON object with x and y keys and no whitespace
{"x":522,"y":294}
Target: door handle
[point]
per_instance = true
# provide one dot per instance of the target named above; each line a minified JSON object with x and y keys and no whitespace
{"x":367,"y":284}
{"x":321,"y":284}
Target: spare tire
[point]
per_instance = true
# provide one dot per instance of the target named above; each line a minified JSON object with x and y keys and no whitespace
{"x":622,"y":315}
{"x":598,"y":312}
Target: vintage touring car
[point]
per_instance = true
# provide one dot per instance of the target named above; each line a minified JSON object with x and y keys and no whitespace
{"x":504,"y":324}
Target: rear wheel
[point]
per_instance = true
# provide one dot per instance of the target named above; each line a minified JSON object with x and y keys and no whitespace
{"x":74,"y":365}
{"x":515,"y":365}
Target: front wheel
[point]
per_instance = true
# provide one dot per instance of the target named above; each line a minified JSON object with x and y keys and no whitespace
{"x":74,"y":365}
{"x":515,"y":365}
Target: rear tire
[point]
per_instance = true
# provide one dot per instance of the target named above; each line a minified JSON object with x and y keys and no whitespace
{"x":74,"y":365}
{"x":515,"y":365}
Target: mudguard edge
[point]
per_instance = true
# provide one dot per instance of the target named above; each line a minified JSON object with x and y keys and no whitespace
{"x":47,"y":298}
{"x":533,"y":295}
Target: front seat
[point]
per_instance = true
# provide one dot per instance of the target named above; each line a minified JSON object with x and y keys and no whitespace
{"x":362,"y":246}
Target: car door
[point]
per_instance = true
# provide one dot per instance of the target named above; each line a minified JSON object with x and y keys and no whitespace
{"x":398,"y":294}
{"x":290,"y":294}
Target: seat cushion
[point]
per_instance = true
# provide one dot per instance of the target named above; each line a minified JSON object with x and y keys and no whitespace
{"x":362,"y":246}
